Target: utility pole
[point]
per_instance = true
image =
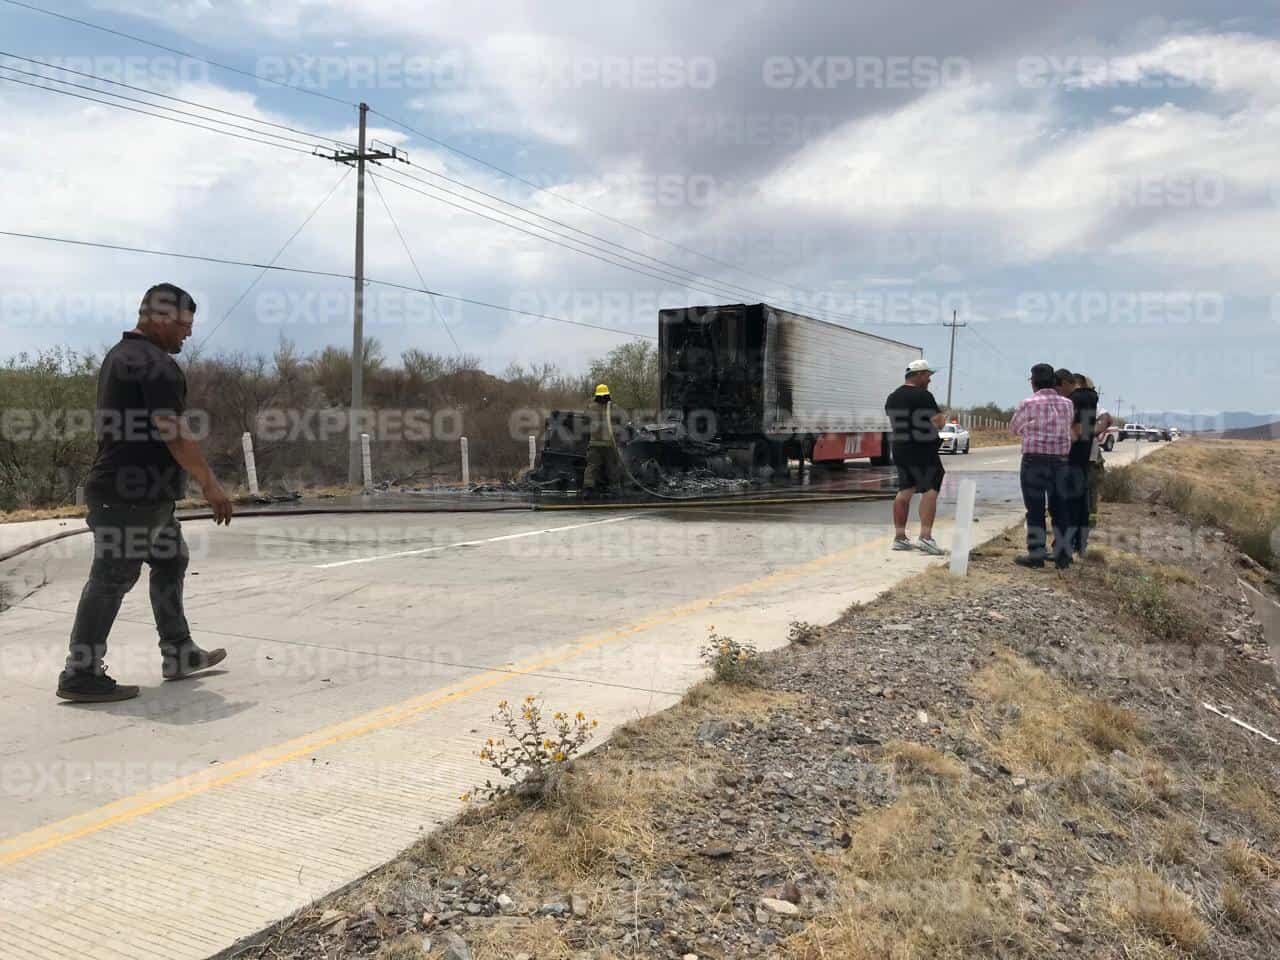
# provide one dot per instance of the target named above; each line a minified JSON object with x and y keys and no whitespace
{"x":359,"y":157}
{"x":951,"y":364}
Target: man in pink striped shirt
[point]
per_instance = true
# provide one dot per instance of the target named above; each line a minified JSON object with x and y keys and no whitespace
{"x":1043,"y":422}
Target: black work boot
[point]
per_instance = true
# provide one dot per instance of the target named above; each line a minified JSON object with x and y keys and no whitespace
{"x":93,"y":686}
{"x":1029,"y":560}
{"x":184,"y":658}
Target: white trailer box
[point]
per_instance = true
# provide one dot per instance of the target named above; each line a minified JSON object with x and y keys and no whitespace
{"x":766,"y":372}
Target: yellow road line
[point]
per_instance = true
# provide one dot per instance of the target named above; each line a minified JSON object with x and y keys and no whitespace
{"x":120,"y":811}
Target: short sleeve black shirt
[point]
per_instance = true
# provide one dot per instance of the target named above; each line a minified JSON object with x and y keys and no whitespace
{"x":1086,"y":404}
{"x":137,"y":381}
{"x":911,"y":411}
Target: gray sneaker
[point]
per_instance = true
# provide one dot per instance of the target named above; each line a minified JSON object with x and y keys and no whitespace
{"x":930,"y":546}
{"x":902,"y":543}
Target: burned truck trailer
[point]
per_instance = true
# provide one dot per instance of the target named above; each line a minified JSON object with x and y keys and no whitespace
{"x":744,"y":389}
{"x":779,"y":384}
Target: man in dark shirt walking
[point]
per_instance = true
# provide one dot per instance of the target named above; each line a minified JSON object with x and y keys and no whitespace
{"x":145,"y":449}
{"x":915,"y":417}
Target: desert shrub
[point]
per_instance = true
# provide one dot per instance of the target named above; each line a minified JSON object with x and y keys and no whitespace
{"x":1119,"y":485}
{"x":731,"y":661}
{"x":803,"y":633}
{"x":534,"y":753}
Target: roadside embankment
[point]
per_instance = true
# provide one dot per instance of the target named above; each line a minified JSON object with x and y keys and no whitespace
{"x":1230,"y":485}
{"x":1011,"y":765}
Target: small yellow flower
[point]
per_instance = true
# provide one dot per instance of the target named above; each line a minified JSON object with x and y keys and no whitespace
{"x":558,"y":715}
{"x":465,"y":798}
{"x":502,"y":704}
{"x":558,"y":756}
{"x":580,"y":716}
{"x":529,"y":698}
{"x":595,"y":723}
{"x":547,"y":744}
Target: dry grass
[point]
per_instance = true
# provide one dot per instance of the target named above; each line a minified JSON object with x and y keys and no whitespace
{"x":406,"y":947}
{"x":48,"y":513}
{"x":1256,"y":801}
{"x":1137,"y":900}
{"x":543,"y":939}
{"x":922,"y":762}
{"x":910,"y":886}
{"x":1042,"y":726}
{"x":983,"y":437}
{"x":1251,"y":868}
{"x":1237,"y":905}
{"x":1229,"y":484}
{"x":612,"y":805}
{"x":1175,"y":841}
{"x":1147,"y":591}
{"x":1107,"y":726}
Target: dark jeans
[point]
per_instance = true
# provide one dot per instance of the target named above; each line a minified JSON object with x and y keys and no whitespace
{"x":1044,"y":479}
{"x":125,"y":536}
{"x":1076,"y":492}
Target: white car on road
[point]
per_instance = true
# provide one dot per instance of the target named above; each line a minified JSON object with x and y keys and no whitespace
{"x":955,"y":438}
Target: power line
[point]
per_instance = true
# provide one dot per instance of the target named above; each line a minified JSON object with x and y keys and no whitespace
{"x":158,"y":106}
{"x":599,"y":213}
{"x":158,"y":116}
{"x":122,"y":248}
{"x":181,"y":53}
{"x":421,"y":279}
{"x":662,"y":274}
{"x":974,"y":330}
{"x":736,"y":289}
{"x":462,"y":153}
{"x":559,"y":243}
{"x":568,"y":226}
{"x":164,"y":96}
{"x":293,"y":236}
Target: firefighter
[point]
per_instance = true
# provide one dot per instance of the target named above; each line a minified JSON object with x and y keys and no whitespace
{"x":604,"y":465}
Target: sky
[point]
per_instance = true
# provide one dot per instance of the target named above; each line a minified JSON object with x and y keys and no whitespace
{"x":1087,"y":184}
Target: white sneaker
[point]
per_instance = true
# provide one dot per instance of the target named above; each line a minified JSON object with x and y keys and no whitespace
{"x":902,"y":543}
{"x":929,"y":546}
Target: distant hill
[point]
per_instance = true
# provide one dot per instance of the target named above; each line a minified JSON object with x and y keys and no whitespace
{"x":1264,"y":431}
{"x":1209,"y":421}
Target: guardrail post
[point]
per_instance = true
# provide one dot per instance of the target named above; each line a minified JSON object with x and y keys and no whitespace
{"x":366,"y":462}
{"x":466,"y":464}
{"x":533,"y":451}
{"x":250,"y":467}
{"x":962,"y":535}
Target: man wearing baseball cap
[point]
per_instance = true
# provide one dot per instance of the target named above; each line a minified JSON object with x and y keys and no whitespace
{"x":915,"y":418}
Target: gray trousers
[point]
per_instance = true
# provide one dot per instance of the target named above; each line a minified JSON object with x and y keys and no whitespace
{"x":125,"y":536}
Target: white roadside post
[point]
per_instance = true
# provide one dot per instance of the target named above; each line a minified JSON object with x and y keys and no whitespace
{"x":533,"y":452}
{"x":962,"y":535}
{"x":250,"y":467}
{"x":80,"y":495}
{"x":366,"y":462}
{"x":466,"y":464}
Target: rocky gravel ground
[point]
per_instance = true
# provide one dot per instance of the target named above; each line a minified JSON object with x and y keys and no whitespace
{"x":1012,"y":765}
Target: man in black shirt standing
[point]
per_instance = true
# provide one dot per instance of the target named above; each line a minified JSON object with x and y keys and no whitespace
{"x":145,"y":449}
{"x":915,"y":418}
{"x":1084,"y":425}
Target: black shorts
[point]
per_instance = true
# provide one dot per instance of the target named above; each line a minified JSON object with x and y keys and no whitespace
{"x":923,"y":476}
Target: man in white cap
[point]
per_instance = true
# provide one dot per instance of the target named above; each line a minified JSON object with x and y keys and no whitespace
{"x":916,"y":418}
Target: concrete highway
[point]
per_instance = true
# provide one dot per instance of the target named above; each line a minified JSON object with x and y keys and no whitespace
{"x":366,"y":654}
